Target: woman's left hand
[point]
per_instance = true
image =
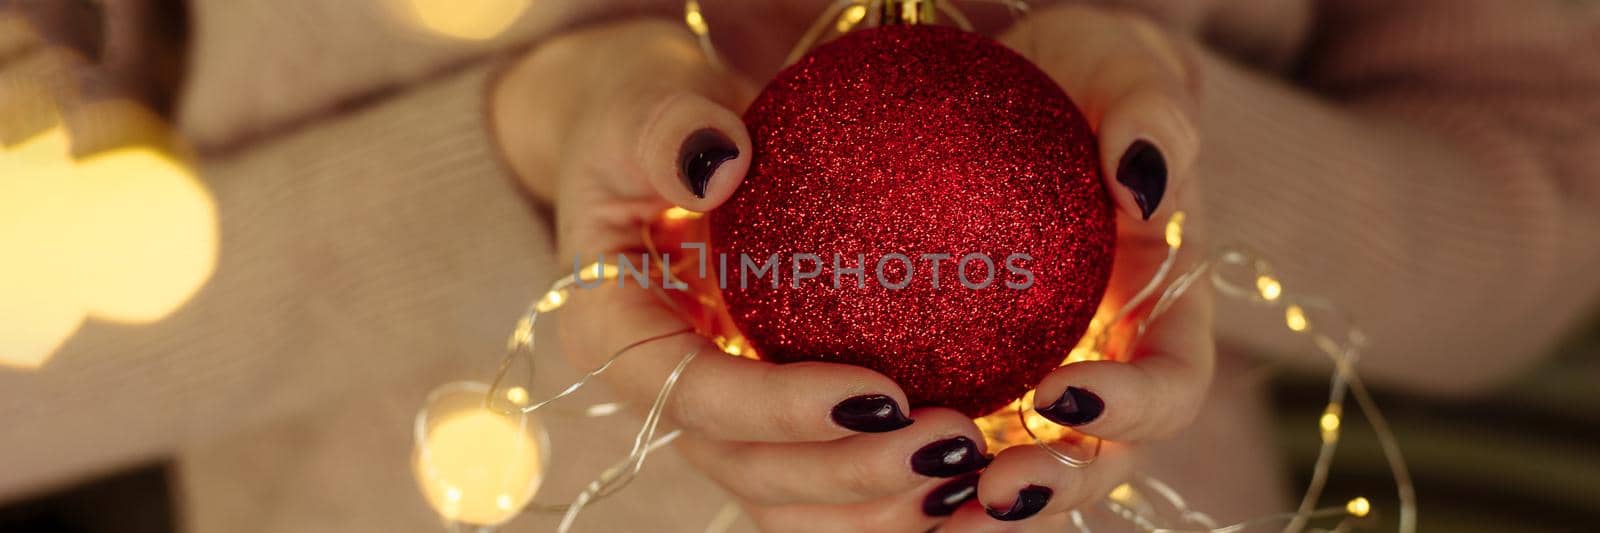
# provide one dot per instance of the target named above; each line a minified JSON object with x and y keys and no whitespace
{"x":1135,"y":86}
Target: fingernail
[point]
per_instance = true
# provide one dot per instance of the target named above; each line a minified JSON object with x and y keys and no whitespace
{"x":946,"y":498}
{"x":1029,"y":501}
{"x":1075,"y":407}
{"x":871,"y":413}
{"x":948,"y":458}
{"x":704,"y":151}
{"x":1143,"y":170}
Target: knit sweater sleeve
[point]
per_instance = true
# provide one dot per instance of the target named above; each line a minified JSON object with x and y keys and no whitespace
{"x":1440,"y":181}
{"x":377,"y":247}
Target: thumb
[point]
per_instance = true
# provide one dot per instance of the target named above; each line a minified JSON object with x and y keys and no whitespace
{"x":629,"y":112}
{"x":668,"y":122}
{"x":1132,"y":82}
{"x":689,"y":150}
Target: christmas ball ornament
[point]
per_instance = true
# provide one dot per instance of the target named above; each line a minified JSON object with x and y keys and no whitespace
{"x":923,"y":202}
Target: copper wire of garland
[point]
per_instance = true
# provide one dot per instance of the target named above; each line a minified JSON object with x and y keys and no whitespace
{"x":522,"y":343}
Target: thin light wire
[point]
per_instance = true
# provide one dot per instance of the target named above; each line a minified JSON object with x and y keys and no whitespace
{"x":620,"y":475}
{"x":1344,"y":381}
{"x":584,"y":380}
{"x":819,"y":27}
{"x":695,"y":19}
{"x":955,"y":15}
{"x":523,"y":341}
{"x":613,"y":479}
{"x":1078,"y":521}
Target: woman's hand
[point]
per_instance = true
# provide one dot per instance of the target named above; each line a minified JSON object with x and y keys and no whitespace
{"x":613,"y":125}
{"x":1133,"y":83}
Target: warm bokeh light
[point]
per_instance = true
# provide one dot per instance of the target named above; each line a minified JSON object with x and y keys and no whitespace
{"x":552,"y":300}
{"x":1329,"y":423}
{"x":478,"y":467}
{"x":126,"y":235}
{"x":850,"y":17}
{"x":598,"y":271}
{"x":693,"y":18}
{"x":1358,"y":507}
{"x":35,"y":318}
{"x":1175,"y":229}
{"x":150,"y":229}
{"x":517,"y":395}
{"x":1269,"y":288}
{"x":1295,"y":318}
{"x":679,"y":213}
{"x":474,"y":20}
{"x":735,"y":345}
{"x":1123,"y":494}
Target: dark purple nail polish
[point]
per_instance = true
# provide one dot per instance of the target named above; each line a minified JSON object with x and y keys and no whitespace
{"x":948,"y":458}
{"x":1075,"y":407}
{"x":1029,"y":501}
{"x":946,"y":498}
{"x":871,"y":413}
{"x":1143,"y":170}
{"x":702,"y":153}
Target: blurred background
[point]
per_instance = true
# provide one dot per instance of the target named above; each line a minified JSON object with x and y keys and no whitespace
{"x":162,"y":369}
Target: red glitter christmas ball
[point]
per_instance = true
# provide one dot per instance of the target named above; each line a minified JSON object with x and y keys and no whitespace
{"x":933,"y":160}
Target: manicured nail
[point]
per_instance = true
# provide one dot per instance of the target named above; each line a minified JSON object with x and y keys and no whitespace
{"x":1029,"y":501}
{"x":948,"y":458}
{"x":1143,"y":170}
{"x":1075,"y":407}
{"x":946,"y":498}
{"x":702,"y":153}
{"x":871,"y":413}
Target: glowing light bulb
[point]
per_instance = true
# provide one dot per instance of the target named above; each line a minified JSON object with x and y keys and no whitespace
{"x":1270,"y":288}
{"x":1175,"y":230}
{"x":1122,"y":494}
{"x":127,"y":235}
{"x":35,"y":317}
{"x":517,"y":395}
{"x":679,"y":213}
{"x":478,"y":466}
{"x":605,"y":271}
{"x":474,"y":20}
{"x":735,"y":346}
{"x":693,"y":18}
{"x":1329,"y":423}
{"x":1295,"y":318}
{"x":552,"y":300}
{"x":1358,"y":507}
{"x":151,"y":227}
{"x":851,"y":16}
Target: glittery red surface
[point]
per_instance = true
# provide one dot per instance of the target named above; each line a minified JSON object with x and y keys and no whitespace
{"x":914,"y":140}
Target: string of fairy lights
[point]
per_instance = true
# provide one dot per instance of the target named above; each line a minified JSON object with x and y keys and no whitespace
{"x":1146,"y":503}
{"x":1143,"y":503}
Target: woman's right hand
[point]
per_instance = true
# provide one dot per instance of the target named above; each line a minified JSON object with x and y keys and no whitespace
{"x":611,"y":126}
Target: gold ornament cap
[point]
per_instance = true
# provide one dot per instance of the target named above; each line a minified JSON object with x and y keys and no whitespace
{"x":907,"y":12}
